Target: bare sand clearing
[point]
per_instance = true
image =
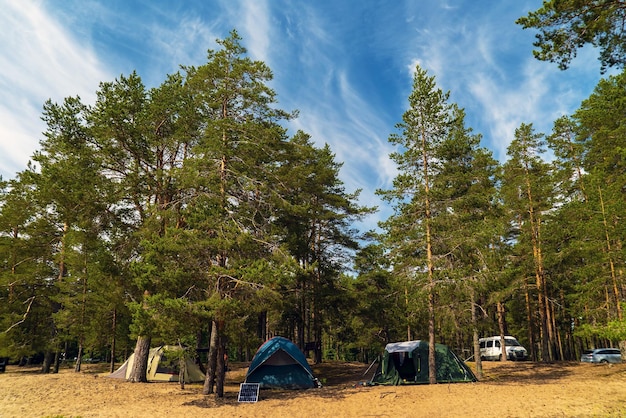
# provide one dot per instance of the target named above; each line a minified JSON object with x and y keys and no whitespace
{"x":507,"y":390}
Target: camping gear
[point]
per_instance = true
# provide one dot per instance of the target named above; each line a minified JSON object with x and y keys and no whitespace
{"x":279,"y":363}
{"x":405,"y":363}
{"x":160,"y":369}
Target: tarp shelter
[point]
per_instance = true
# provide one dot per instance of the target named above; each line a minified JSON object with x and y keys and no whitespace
{"x":406,"y":363}
{"x":279,"y":363}
{"x":160,"y":369}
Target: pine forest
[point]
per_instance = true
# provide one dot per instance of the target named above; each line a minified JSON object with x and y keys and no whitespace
{"x":187,"y":214}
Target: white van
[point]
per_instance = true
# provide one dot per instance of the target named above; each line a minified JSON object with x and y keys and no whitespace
{"x":490,"y":348}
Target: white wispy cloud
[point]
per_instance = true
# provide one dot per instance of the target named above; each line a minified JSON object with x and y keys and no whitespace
{"x":257,"y":24}
{"x":182,"y":42}
{"x":40,"y":60}
{"x":505,"y":106}
{"x":347,"y":66}
{"x":487,"y":65}
{"x":332,"y":109}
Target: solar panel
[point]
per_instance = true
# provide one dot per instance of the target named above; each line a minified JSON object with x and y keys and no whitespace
{"x":248,"y":392}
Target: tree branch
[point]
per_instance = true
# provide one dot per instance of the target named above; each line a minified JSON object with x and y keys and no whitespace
{"x":30,"y":303}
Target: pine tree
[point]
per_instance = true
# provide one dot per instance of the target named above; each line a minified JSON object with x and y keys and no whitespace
{"x":26,"y":253}
{"x":410,"y":230}
{"x":78,"y":210}
{"x":567,"y":25}
{"x":467,"y":224}
{"x":528,"y":181}
{"x":316,"y":216}
{"x":600,"y":131}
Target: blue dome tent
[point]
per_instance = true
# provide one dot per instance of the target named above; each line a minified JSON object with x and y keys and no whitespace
{"x":279,"y":363}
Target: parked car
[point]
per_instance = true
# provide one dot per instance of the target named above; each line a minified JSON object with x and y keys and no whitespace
{"x":602,"y":355}
{"x":490,"y":348}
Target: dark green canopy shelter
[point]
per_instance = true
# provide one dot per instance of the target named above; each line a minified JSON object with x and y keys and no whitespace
{"x":406,"y":363}
{"x":279,"y":363}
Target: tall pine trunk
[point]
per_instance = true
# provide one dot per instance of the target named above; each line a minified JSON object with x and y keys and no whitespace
{"x":82,"y":322}
{"x":502,"y":328}
{"x":432,"y":362}
{"x":529,"y":320}
{"x":113,"y":340}
{"x":475,"y":337}
{"x":211,"y":368}
{"x":614,"y":285}
{"x":408,"y":314}
{"x":139,"y":371}
{"x":47,"y":361}
{"x":539,"y":271}
{"x":220,"y":367}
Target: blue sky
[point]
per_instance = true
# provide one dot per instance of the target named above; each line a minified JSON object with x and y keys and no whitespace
{"x":346,"y":65}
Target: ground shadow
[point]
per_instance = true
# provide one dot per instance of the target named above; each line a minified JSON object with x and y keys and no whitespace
{"x":340,"y":379}
{"x":333,"y":376}
{"x":527,"y":372}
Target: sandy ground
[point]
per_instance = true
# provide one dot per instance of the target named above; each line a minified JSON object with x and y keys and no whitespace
{"x":506,"y":390}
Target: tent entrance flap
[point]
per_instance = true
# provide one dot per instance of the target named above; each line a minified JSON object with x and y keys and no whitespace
{"x":408,"y":369}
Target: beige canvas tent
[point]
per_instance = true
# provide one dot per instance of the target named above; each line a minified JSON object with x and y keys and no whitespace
{"x":160,"y":369}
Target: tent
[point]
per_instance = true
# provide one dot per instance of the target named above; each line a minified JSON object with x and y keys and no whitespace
{"x":279,"y":363}
{"x":405,"y":363}
{"x":160,"y":369}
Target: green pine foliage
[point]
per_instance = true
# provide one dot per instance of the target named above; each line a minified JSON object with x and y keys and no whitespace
{"x":565,"y":26}
{"x":164,"y":214}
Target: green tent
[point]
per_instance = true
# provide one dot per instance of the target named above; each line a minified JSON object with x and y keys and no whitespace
{"x":406,"y":363}
{"x":279,"y":363}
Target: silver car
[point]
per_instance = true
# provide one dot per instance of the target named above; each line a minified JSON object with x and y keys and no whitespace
{"x":602,"y":355}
